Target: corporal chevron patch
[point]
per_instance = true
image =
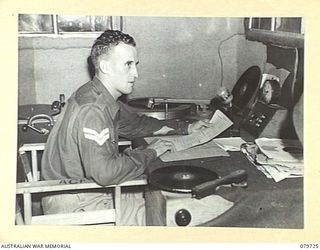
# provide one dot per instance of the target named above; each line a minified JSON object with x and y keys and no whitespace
{"x":99,"y":138}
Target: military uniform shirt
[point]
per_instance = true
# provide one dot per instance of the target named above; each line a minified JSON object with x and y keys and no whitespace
{"x":84,"y":141}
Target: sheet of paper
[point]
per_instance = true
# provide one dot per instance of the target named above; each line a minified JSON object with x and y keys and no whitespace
{"x":220,"y":122}
{"x":264,"y":160}
{"x":209,"y":149}
{"x":281,"y":150}
{"x":275,"y":173}
{"x":230,"y":143}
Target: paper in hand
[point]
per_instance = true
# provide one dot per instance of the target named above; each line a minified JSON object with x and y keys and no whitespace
{"x":219,"y":123}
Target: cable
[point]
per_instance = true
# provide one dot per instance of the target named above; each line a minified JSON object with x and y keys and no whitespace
{"x":121,"y":23}
{"x":294,"y":80}
{"x":220,"y":58}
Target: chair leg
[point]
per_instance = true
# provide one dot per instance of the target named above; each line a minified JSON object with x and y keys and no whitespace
{"x":117,"y":198}
{"x":18,"y":218}
{"x":27,"y":208}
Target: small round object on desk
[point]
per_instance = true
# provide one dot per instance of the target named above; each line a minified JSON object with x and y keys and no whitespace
{"x":182,"y":217}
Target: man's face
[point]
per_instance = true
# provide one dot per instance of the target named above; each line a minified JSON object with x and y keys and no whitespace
{"x":122,"y":62}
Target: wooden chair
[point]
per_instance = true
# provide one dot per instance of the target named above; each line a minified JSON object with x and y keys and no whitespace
{"x":32,"y":170}
{"x":33,"y":186}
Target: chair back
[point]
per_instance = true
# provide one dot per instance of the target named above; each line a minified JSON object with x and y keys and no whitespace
{"x":29,"y":155}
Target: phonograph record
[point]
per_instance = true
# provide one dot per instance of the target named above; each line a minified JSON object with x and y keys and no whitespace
{"x":165,"y":108}
{"x":184,"y":195}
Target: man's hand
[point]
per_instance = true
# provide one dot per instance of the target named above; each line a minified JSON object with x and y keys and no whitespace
{"x":161,"y":146}
{"x":198,"y":125}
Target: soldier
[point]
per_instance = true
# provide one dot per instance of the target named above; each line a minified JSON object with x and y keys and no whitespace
{"x":84,"y":141}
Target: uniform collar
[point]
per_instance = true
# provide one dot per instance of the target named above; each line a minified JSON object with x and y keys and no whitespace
{"x":105,"y":97}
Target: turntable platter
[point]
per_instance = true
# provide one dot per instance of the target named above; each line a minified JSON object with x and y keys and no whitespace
{"x":158,"y":110}
{"x":180,"y":178}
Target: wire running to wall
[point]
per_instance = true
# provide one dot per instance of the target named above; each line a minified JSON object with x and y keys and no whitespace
{"x":219,"y":53}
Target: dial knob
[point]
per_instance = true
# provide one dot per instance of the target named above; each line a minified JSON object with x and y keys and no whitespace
{"x":182,"y":217}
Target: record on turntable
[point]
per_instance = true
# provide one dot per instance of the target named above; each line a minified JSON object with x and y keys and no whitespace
{"x":180,"y":178}
{"x":198,"y":181}
{"x":160,"y":108}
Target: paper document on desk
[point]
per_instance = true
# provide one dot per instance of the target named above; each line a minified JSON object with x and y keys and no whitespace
{"x":220,"y":122}
{"x":281,"y":158}
{"x":277,"y":168}
{"x":281,"y":150}
{"x":230,"y":143}
{"x":279,"y":172}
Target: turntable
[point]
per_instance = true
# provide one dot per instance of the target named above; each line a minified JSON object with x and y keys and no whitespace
{"x":182,"y":195}
{"x":164,"y":108}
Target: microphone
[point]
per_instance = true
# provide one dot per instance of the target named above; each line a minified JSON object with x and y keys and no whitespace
{"x":225,"y":96}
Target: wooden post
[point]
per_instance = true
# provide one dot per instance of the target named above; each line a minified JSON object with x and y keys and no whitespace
{"x":34,"y":160}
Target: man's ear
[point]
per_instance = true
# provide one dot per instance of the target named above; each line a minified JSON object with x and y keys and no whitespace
{"x":104,"y":66}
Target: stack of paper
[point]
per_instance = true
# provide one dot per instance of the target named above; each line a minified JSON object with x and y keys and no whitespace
{"x":279,"y":158}
{"x":280,"y":172}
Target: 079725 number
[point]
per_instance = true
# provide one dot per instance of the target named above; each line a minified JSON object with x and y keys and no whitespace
{"x":309,"y":246}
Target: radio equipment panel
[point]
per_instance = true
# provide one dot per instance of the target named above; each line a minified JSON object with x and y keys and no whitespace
{"x":265,"y":120}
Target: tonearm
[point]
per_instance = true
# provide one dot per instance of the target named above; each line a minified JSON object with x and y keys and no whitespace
{"x":153,"y":101}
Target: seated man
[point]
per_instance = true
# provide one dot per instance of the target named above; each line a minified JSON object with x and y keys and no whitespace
{"x":84,"y":141}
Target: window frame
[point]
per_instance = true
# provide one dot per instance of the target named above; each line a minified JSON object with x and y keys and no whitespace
{"x":116,"y":24}
{"x":289,"y":39}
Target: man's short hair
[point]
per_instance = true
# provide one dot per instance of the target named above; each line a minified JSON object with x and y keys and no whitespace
{"x":106,"y":41}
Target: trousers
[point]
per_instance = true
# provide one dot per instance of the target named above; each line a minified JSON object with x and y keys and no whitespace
{"x":132,"y":205}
